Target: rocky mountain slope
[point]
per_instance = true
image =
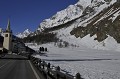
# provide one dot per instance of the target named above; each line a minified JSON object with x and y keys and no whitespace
{"x":105,"y":23}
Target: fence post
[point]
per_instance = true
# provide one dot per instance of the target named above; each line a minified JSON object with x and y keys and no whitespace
{"x":64,"y":77}
{"x":36,"y":62}
{"x":43,"y":64}
{"x":58,"y":70}
{"x":48,"y":67}
{"x":78,"y":76}
{"x":40,"y":63}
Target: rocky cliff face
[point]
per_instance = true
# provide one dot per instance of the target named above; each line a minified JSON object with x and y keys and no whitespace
{"x":105,"y":23}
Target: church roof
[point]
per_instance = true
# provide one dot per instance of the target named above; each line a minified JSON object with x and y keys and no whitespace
{"x":8,"y":29}
{"x":8,"y":25}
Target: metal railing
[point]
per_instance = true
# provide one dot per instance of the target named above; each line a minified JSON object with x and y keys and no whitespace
{"x":52,"y":72}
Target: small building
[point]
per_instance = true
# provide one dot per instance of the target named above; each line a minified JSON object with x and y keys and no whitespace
{"x":14,"y":46}
{"x":1,"y":43}
{"x":21,"y":47}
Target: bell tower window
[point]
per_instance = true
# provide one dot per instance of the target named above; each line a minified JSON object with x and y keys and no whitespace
{"x":6,"y":35}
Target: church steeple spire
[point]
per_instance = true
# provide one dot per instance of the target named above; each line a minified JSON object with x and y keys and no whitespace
{"x":8,"y":26}
{"x":7,"y":44}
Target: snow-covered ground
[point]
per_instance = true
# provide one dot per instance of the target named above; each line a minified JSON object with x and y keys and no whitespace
{"x":90,"y":63}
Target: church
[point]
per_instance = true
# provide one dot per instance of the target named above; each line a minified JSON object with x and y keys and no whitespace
{"x":6,"y":39}
{"x":10,"y":43}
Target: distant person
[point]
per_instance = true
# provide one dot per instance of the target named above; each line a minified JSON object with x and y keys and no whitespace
{"x":45,"y":49}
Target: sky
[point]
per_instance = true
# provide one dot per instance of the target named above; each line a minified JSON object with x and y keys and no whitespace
{"x":28,"y":14}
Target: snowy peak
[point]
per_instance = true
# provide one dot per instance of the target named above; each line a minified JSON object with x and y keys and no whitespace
{"x":61,"y":17}
{"x":24,"y":34}
{"x":82,"y":7}
{"x":27,"y":31}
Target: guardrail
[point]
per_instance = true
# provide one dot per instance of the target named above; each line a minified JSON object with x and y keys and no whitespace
{"x":52,"y":72}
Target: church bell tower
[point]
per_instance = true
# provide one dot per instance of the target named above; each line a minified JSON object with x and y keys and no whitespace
{"x":7,"y":44}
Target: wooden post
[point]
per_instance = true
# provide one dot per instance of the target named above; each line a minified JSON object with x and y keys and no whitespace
{"x":29,"y":56}
{"x":48,"y":67}
{"x":58,"y":70}
{"x":43,"y":64}
{"x":78,"y":76}
{"x":40,"y":63}
{"x":36,"y":61}
{"x":64,"y":77}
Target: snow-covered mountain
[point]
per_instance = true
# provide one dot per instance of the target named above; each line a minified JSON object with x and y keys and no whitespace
{"x":82,"y":7}
{"x":68,"y":14}
{"x":24,"y":34}
{"x":90,"y":23}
